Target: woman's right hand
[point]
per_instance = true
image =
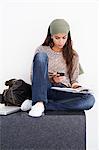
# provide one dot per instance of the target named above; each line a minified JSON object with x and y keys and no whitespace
{"x":57,"y":78}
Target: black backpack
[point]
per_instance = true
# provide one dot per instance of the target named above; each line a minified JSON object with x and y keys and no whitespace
{"x":18,"y":91}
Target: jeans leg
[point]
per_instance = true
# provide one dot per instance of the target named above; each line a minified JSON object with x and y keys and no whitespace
{"x":40,"y":81}
{"x":59,"y":100}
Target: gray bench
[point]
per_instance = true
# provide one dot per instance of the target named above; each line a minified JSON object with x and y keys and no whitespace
{"x":56,"y":130}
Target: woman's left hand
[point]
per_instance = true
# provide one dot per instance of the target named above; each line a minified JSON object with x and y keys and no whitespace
{"x":75,"y":85}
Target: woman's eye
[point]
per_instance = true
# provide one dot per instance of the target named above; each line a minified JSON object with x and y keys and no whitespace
{"x":64,"y":37}
{"x":57,"y":38}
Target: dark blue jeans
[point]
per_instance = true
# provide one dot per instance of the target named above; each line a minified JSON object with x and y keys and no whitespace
{"x":53,"y":99}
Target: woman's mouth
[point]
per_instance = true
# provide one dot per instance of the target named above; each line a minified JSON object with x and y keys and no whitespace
{"x":60,"y":45}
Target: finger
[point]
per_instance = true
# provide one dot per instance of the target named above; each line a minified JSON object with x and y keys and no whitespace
{"x":61,"y":78}
{"x":76,"y":86}
{"x":55,"y":73}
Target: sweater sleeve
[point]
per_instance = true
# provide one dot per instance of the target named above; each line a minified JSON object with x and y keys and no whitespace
{"x":75,"y":69}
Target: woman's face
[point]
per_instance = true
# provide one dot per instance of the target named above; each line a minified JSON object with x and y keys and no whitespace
{"x":59,"y":40}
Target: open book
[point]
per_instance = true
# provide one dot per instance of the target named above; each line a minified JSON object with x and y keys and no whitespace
{"x":77,"y":90}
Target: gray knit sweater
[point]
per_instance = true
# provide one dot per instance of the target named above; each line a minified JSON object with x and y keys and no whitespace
{"x":56,"y":63}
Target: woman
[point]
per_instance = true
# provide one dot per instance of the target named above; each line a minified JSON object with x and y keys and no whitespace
{"x":55,"y":63}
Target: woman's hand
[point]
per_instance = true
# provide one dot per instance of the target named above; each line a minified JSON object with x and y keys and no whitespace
{"x":58,"y":79}
{"x":75,"y":85}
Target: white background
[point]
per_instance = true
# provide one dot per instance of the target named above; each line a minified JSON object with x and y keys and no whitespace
{"x":23,"y":27}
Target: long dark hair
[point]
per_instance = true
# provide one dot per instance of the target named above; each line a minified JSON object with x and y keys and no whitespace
{"x":68,"y":52}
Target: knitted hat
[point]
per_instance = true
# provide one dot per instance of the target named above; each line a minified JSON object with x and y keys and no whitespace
{"x":59,"y":26}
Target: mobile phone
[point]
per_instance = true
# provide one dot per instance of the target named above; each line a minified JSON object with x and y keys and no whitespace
{"x":61,"y":73}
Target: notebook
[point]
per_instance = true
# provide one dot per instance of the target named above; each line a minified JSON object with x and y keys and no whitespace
{"x":5,"y":110}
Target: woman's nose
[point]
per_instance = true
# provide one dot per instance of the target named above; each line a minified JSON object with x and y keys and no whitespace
{"x":61,"y":41}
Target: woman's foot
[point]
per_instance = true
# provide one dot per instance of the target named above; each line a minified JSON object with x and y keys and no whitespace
{"x":26,"y":105}
{"x":37,"y":110}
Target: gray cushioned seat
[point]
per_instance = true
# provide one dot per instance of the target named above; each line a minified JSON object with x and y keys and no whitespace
{"x":56,"y":130}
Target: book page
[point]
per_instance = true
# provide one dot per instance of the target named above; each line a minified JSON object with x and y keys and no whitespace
{"x":77,"y":90}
